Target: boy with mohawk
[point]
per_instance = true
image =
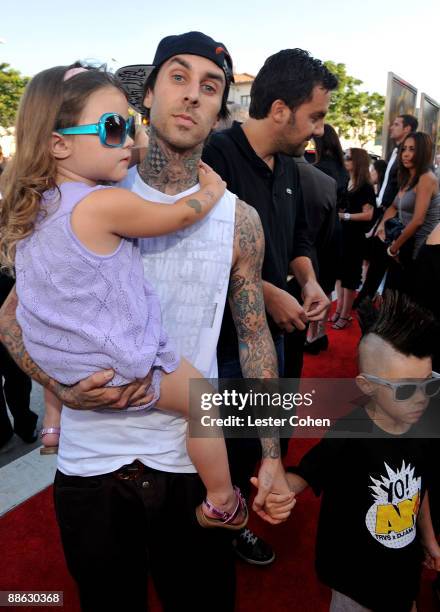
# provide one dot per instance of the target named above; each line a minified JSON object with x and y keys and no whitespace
{"x":373,"y":480}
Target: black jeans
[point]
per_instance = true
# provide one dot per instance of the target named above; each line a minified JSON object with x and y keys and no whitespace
{"x":15,"y":388}
{"x":114,"y":532}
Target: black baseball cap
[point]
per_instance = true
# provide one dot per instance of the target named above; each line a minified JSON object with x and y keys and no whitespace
{"x":134,"y":77}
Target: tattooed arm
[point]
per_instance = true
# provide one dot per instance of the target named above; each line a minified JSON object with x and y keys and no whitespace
{"x":258,"y":358}
{"x":86,"y":394}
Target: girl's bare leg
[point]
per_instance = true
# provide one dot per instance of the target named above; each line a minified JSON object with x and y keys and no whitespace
{"x":208,"y":454}
{"x":52,"y":417}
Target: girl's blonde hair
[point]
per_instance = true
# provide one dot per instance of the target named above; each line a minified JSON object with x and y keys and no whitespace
{"x":48,"y":103}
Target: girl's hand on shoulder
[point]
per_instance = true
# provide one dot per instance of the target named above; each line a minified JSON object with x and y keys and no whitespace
{"x":209,"y":179}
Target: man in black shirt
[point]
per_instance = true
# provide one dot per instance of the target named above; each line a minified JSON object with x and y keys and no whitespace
{"x":289,"y":100}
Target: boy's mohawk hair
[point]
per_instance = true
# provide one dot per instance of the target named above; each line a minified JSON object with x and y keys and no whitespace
{"x":409,"y":328}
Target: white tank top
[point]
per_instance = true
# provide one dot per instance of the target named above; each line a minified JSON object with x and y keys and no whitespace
{"x":190,"y":272}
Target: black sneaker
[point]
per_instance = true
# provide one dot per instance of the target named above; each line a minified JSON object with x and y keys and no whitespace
{"x":253,"y":549}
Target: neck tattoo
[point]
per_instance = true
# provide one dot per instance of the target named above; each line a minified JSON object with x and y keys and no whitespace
{"x":169,"y":170}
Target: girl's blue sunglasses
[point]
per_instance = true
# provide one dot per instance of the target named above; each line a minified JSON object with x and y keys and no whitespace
{"x":111,"y":128}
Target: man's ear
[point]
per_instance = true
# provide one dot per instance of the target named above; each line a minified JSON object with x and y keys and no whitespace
{"x":365,"y":385}
{"x":148,"y":100}
{"x":60,"y":146}
{"x":279,"y":112}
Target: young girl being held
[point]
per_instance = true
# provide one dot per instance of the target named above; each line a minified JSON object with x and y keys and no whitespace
{"x":84,"y":305}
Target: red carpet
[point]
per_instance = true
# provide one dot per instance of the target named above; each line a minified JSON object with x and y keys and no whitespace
{"x":31,"y":556}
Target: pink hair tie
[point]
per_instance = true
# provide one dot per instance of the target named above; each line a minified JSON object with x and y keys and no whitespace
{"x":72,"y":71}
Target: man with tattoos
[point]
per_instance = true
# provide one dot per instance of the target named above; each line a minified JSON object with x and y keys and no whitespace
{"x":125,"y":490}
{"x":289,"y":99}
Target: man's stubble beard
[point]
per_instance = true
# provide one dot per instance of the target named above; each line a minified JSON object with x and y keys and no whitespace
{"x":182,"y":147}
{"x":291,"y":149}
{"x":300,"y":149}
{"x":294,"y":150}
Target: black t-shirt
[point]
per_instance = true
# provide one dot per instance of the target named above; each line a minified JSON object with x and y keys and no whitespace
{"x":371,"y":489}
{"x":277,"y":198}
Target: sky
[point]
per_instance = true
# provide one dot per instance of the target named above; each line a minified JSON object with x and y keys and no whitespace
{"x":371,"y":37}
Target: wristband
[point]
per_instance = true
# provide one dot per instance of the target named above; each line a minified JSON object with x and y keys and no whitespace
{"x":390,"y":252}
{"x":347,"y":216}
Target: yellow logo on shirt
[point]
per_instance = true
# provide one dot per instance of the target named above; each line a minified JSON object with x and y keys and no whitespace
{"x":391,"y":520}
{"x":397,"y":518}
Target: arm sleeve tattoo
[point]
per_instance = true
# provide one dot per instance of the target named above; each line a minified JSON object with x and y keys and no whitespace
{"x":257,"y":352}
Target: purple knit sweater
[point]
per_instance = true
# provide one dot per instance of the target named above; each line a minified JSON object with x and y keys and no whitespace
{"x":81,"y":312}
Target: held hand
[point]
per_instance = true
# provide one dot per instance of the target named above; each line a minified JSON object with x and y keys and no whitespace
{"x":277,"y":507}
{"x":91,"y":393}
{"x":316,"y":303}
{"x":209,"y":179}
{"x":286,"y":311}
{"x":271,"y":478}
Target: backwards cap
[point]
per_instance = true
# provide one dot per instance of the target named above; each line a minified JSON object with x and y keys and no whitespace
{"x":134,"y":77}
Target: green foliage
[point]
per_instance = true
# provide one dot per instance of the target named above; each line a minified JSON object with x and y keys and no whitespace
{"x":350,"y":108}
{"x":12,"y":84}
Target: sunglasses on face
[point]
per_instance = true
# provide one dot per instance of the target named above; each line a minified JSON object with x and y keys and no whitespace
{"x":403,"y":391}
{"x":111,"y":128}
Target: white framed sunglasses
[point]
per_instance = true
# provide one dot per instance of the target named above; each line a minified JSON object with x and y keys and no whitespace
{"x":405,"y":389}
